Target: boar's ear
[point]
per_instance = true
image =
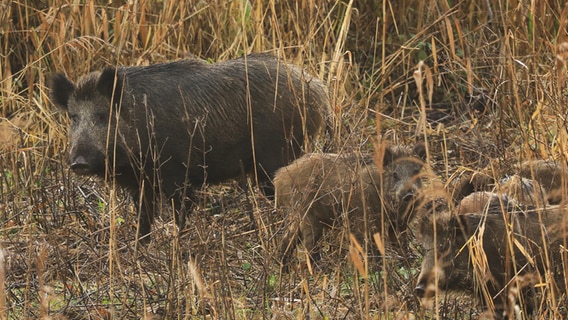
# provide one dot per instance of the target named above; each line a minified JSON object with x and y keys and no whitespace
{"x":388,"y":156}
{"x":460,"y":223}
{"x":61,"y":89}
{"x":110,"y":83}
{"x":419,"y":150}
{"x":425,"y":223}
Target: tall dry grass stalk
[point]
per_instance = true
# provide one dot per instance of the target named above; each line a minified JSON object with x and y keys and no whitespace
{"x":495,"y":95}
{"x":3,"y":308}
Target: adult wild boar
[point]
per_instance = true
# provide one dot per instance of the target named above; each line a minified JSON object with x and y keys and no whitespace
{"x":493,"y":249}
{"x":318,"y":189}
{"x":168,"y":127}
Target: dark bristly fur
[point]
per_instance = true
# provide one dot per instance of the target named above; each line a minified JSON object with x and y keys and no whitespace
{"x":176,"y":125}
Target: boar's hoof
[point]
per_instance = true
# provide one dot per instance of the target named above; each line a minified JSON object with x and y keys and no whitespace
{"x":420,"y":290}
{"x":80,"y":165}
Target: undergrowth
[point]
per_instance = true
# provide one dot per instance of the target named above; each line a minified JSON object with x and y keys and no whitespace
{"x":482,"y":82}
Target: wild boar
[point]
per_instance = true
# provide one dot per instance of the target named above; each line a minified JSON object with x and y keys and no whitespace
{"x":319,"y":190}
{"x":511,"y":191}
{"x":547,"y":175}
{"x":473,"y":251}
{"x":170,"y":127}
{"x":550,"y":174}
{"x":524,"y":190}
{"x":482,"y":201}
{"x":467,"y":182}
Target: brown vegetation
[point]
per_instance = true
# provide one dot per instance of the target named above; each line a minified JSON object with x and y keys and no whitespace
{"x":481,"y":82}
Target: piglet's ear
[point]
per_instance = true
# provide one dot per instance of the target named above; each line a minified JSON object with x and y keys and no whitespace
{"x":460,"y":222}
{"x":110,"y":83}
{"x":61,"y":89}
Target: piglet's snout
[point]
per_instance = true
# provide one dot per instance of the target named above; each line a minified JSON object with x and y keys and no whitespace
{"x":420,"y":290}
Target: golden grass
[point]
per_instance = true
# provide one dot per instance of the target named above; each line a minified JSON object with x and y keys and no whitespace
{"x":67,"y":241}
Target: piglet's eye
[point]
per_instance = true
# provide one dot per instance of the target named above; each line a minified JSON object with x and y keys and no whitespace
{"x":395,"y":176}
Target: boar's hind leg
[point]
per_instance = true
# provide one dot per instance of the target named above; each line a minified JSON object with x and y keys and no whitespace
{"x":267,"y":189}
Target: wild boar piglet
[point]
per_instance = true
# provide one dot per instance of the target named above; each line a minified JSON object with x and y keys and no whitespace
{"x":318,"y":190}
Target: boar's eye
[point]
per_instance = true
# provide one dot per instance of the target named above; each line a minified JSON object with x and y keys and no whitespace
{"x":443,"y":246}
{"x":101,"y":118}
{"x":74,"y":118}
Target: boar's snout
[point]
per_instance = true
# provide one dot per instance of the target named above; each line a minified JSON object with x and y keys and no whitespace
{"x":80,"y":165}
{"x":407,"y":200}
{"x":85,"y":159}
{"x":420,"y":289}
{"x":408,"y":196}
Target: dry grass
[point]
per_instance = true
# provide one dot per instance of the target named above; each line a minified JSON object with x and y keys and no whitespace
{"x":493,"y":93}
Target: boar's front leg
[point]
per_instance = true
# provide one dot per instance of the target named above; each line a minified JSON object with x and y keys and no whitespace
{"x":311,"y":230}
{"x":148,"y":203}
{"x":182,"y":201}
{"x":144,"y":203}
